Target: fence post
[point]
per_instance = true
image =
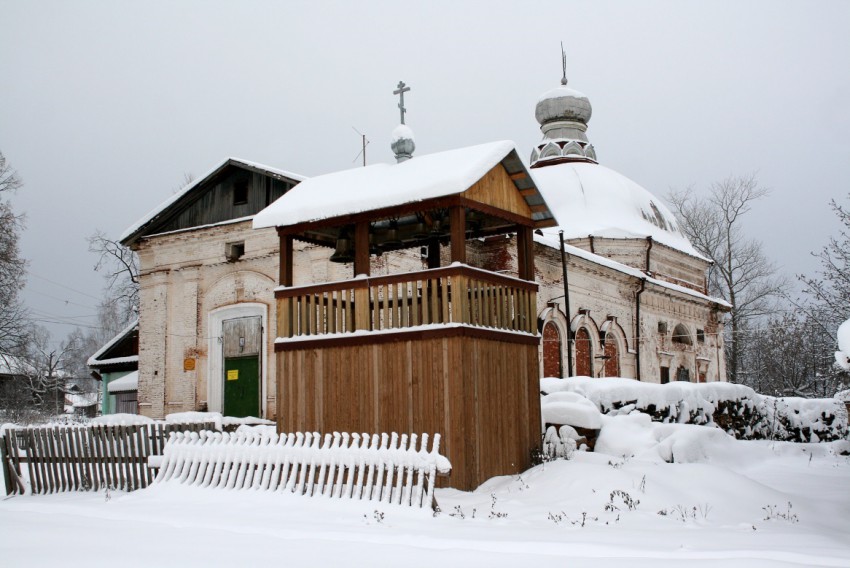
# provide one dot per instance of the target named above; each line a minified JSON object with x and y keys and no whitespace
{"x":7,"y":463}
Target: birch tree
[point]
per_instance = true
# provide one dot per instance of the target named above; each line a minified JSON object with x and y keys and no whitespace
{"x":740,"y":273}
{"x":829,"y":289}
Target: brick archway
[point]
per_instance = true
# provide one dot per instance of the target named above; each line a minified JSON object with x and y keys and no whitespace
{"x":552,"y":351}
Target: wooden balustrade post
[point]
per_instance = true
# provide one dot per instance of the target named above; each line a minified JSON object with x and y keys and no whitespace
{"x":362,"y":311}
{"x":460,"y":298}
{"x":286,"y":255}
{"x":457,"y":219}
{"x":361,"y":248}
{"x":525,"y":253}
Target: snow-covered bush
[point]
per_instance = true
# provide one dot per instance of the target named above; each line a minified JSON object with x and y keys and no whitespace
{"x":736,"y":409}
{"x":559,"y":443}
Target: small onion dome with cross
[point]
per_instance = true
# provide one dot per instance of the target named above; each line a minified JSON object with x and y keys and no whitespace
{"x":402,"y":143}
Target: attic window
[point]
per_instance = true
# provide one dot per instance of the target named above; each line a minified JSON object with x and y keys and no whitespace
{"x":234,"y":251}
{"x":240,"y":191}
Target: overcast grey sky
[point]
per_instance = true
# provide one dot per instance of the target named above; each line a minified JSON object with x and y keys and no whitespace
{"x":105,"y":105}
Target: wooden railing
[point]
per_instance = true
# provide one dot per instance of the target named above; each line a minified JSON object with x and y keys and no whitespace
{"x":456,"y":294}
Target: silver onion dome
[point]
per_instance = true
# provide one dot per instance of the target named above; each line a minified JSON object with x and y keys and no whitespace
{"x":563,"y":114}
{"x":563,"y":104}
{"x":402,"y":143}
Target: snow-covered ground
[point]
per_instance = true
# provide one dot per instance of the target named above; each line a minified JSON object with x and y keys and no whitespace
{"x":734,"y":503}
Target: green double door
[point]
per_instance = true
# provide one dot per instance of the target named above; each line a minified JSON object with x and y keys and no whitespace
{"x":242,"y":339}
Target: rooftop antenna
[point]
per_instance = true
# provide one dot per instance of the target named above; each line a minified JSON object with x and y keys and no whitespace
{"x":400,"y":92}
{"x":363,"y":149}
{"x":563,"y":65}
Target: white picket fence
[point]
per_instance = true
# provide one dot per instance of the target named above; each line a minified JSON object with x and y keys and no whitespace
{"x":384,"y":468}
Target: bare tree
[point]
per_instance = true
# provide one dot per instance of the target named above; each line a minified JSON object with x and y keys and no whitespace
{"x":13,"y":316}
{"x":792,"y":355}
{"x":84,"y":343}
{"x":120,"y":266}
{"x":187,"y":179}
{"x":740,"y":274}
{"x":40,"y":379}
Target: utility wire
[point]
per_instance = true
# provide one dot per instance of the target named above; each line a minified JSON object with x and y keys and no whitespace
{"x":64,"y":286}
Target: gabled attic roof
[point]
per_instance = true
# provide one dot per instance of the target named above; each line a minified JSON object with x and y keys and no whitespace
{"x":192,"y":191}
{"x":383,"y":186}
{"x":121,"y":350}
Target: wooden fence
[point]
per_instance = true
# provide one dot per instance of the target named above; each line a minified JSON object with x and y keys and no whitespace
{"x":84,"y":458}
{"x":385,"y":468}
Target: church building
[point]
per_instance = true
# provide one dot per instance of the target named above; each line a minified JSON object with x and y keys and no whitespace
{"x":427,"y":295}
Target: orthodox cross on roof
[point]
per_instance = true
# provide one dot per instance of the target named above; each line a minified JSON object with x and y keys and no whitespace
{"x":563,"y":64}
{"x":400,"y":92}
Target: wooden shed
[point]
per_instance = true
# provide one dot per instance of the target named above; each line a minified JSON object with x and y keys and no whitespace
{"x":449,"y":349}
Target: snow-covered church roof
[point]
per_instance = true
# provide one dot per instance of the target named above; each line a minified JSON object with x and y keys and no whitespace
{"x":590,"y":199}
{"x":587,"y":198}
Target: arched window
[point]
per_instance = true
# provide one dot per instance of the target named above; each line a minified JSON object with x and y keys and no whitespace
{"x":552,"y":351}
{"x":612,"y":357}
{"x":584,"y":353}
{"x":681,"y":335}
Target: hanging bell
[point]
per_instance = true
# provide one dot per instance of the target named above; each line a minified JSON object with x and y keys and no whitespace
{"x":392,"y":240}
{"x":420,"y":230}
{"x":342,"y":253}
{"x":374,"y":249}
{"x":437,"y":228}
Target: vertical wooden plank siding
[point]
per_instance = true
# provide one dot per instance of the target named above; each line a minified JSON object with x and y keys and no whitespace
{"x":450,"y":385}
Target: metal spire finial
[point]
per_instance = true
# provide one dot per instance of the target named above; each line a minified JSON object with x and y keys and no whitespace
{"x":400,"y":92}
{"x":563,"y":65}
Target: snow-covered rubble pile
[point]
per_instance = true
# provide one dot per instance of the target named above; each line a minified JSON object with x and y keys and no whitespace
{"x":842,"y":356}
{"x":736,"y":409}
{"x":219,"y":422}
{"x":121,"y":419}
{"x":638,"y":436}
{"x":223,"y":423}
{"x":565,"y":407}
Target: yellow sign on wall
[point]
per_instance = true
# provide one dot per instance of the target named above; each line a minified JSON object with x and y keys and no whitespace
{"x":188,"y":364}
{"x":233,"y":375}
